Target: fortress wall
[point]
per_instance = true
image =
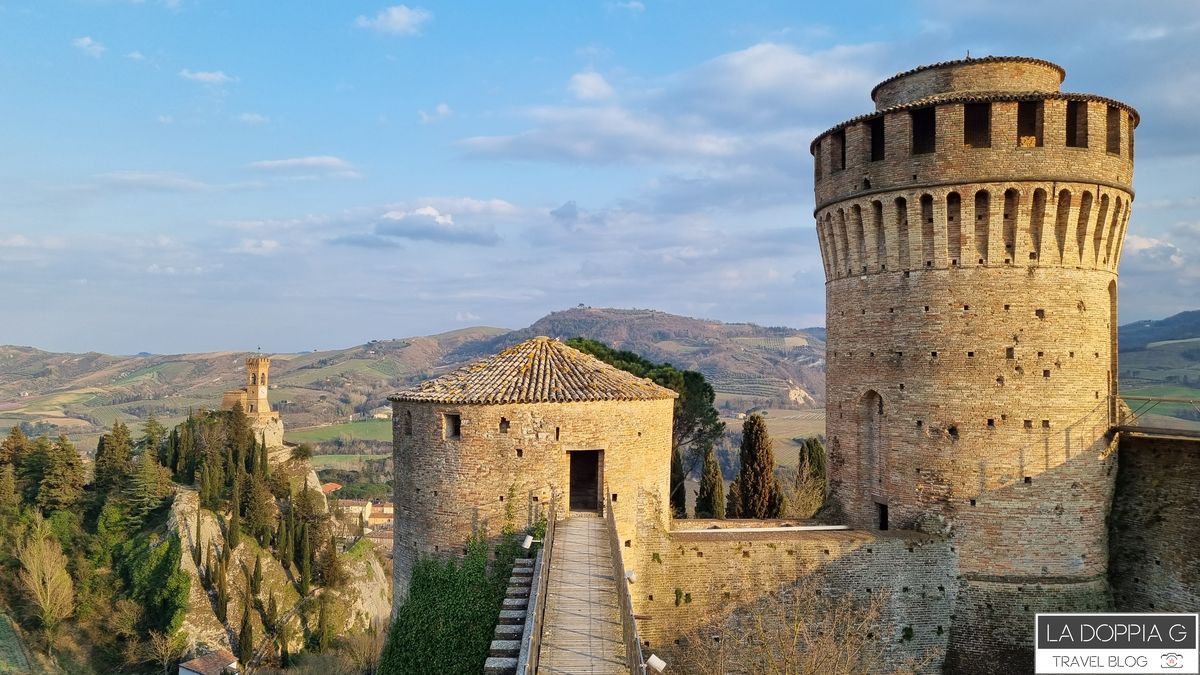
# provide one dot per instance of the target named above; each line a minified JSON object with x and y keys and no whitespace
{"x":726,"y":574}
{"x":448,"y":488}
{"x":1155,"y":554}
{"x":980,"y":75}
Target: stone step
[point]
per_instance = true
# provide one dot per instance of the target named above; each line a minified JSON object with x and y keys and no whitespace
{"x":509,"y":631}
{"x":500,"y":665}
{"x":516,"y":580}
{"x":505,"y":648}
{"x":523,"y":562}
{"x":512,"y":616}
{"x":518,"y":591}
{"x":515,"y":603}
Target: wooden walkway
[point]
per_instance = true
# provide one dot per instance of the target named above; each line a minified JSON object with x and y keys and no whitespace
{"x":582,"y":629}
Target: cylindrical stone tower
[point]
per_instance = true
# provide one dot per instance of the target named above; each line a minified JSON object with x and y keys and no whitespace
{"x":971,"y":228}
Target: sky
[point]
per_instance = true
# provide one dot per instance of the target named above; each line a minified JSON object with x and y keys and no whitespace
{"x":192,"y":175}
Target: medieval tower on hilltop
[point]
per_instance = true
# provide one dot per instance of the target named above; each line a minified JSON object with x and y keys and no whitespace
{"x":971,"y":229}
{"x":252,"y":399}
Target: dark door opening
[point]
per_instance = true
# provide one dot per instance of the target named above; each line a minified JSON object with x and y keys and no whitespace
{"x":883,"y":516}
{"x":585,"y":480}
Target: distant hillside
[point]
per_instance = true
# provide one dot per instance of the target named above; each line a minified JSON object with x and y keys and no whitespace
{"x":81,"y":393}
{"x":747,"y":364}
{"x":1137,"y":336}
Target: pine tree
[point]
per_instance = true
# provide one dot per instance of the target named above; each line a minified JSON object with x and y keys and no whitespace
{"x":678,"y":491}
{"x":332,"y":571}
{"x":256,"y":577}
{"x":32,"y":468}
{"x":246,"y":634}
{"x":710,"y":500}
{"x":114,"y":463}
{"x":61,"y":487}
{"x":14,"y":447}
{"x":152,"y":438}
{"x":9,"y":501}
{"x":144,"y":491}
{"x":759,"y":494}
{"x":235,"y":517}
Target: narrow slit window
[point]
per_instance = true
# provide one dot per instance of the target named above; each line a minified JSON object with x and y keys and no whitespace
{"x":837,"y":153}
{"x":1029,"y":124}
{"x":1077,"y":124}
{"x":1113,"y":124}
{"x":877,"y":143}
{"x":924,"y":130}
{"x":977,"y":125}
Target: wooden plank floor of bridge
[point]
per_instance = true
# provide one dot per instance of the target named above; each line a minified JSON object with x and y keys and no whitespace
{"x":582,"y":627}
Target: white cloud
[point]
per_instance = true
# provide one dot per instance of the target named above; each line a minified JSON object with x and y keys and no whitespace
{"x":396,"y":20}
{"x":633,"y":6}
{"x":211,"y":77}
{"x":89,"y":46}
{"x":152,"y":181}
{"x":589,"y":86}
{"x":166,"y":119}
{"x":135,"y":55}
{"x":253,"y":119}
{"x":440,"y":111}
{"x":466,"y":316}
{"x":430,"y":224}
{"x":309,"y":167}
{"x":257,"y":246}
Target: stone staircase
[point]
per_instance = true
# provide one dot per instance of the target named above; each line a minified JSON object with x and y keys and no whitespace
{"x":506,"y":642}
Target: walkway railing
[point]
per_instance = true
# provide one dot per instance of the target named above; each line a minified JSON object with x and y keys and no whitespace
{"x":633,"y":643}
{"x":532,"y":640}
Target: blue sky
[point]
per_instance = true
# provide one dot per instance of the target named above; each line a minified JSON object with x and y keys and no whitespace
{"x":184,"y":175}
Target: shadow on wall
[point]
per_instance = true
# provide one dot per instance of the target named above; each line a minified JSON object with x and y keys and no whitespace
{"x":1156,"y":510}
{"x":707,"y":585}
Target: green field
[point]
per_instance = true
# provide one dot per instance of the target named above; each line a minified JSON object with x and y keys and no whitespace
{"x":364,"y":430}
{"x":343,"y":462}
{"x":784,"y":425}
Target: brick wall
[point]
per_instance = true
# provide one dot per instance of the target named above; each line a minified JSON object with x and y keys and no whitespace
{"x":447,"y":488}
{"x":979,"y":75}
{"x":1155,"y":563}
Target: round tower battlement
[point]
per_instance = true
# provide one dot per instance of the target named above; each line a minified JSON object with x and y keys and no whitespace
{"x":971,"y":230}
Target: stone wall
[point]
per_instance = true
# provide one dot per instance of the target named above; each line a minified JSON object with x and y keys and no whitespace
{"x":718,"y":573}
{"x":447,"y":488}
{"x":1155,"y":560}
{"x":986,"y":74}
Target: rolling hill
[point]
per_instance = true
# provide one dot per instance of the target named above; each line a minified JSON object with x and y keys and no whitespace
{"x":80,"y":394}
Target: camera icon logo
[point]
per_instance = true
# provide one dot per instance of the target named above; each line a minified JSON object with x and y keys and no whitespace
{"x":1172,"y":660}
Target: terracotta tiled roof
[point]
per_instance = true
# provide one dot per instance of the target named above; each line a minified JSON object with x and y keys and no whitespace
{"x":536,"y":371}
{"x":330,"y":487}
{"x":212,"y":663}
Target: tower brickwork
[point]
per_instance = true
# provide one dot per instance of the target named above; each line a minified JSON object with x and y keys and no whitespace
{"x":971,"y":229}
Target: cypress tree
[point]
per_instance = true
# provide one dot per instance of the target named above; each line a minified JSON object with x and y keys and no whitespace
{"x":759,"y":494}
{"x":812,"y":460}
{"x":272,"y":612}
{"x":264,"y":466}
{"x":324,"y":635}
{"x":235,"y":517}
{"x":305,"y":562}
{"x":733,"y":501}
{"x":256,"y":578}
{"x":678,"y":491}
{"x":285,"y":634}
{"x":197,"y":549}
{"x":710,"y":500}
{"x":222,"y":590}
{"x":246,"y":634}
{"x":32,"y":468}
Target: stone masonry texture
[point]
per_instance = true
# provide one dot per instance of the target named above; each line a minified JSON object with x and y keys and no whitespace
{"x":971,"y":258}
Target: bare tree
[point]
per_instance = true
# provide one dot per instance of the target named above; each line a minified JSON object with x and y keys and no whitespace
{"x":45,"y":578}
{"x":799,"y":631}
{"x":165,"y":650}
